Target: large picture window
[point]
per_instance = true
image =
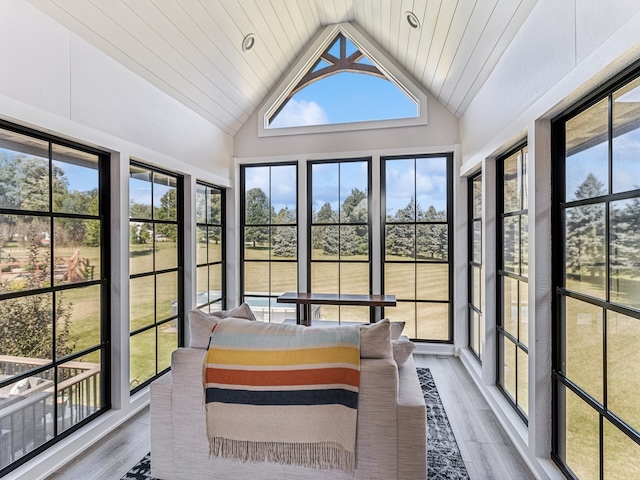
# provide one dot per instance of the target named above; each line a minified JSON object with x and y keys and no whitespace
{"x":417,"y":198}
{"x":339,"y":235}
{"x":54,"y":291}
{"x":476,"y":279}
{"x":513,"y":288}
{"x":269,"y":238}
{"x":210,"y":248}
{"x":597,"y":279}
{"x":156,"y":269}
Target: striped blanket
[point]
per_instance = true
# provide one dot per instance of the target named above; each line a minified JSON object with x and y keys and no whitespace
{"x":283,"y":393}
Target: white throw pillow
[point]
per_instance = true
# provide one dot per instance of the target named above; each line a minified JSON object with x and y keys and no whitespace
{"x":200,"y":327}
{"x":402,"y":350}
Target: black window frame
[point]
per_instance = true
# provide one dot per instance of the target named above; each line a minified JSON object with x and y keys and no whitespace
{"x":450,"y":237}
{"x":222,"y":298}
{"x":311,"y":224}
{"x":474,"y":309}
{"x":104,"y":282}
{"x":501,"y":273}
{"x":178,"y":317}
{"x":561,"y":292}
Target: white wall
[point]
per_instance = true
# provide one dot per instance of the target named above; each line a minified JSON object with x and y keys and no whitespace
{"x":55,"y":82}
{"x":563,"y":50}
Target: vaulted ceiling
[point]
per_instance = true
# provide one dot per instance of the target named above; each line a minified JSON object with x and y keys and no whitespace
{"x":192,"y":49}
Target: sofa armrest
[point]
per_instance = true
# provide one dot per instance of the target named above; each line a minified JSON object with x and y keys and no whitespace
{"x":412,"y":425}
{"x":161,"y":427}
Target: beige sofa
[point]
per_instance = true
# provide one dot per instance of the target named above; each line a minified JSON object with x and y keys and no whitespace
{"x":391,"y":427}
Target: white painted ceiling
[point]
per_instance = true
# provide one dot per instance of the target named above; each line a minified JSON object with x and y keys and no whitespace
{"x":192,"y":49}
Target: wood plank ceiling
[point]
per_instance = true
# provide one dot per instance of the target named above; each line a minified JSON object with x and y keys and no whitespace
{"x":192,"y":49}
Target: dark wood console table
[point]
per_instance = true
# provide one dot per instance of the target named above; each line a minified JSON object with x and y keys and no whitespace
{"x":304,"y":300}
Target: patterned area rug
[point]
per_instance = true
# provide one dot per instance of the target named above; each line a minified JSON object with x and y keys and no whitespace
{"x":443,"y":456}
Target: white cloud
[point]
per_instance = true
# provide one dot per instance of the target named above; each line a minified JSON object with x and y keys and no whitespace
{"x":297,"y":113}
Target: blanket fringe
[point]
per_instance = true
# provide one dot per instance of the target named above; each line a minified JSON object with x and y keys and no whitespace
{"x":321,"y":455}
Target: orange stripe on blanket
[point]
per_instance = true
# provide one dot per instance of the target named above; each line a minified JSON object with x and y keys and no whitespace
{"x":320,"y":376}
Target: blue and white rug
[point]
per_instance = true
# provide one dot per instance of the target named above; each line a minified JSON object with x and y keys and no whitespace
{"x":444,"y":461}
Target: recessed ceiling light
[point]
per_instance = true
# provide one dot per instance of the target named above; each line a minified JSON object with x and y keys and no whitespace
{"x":412,"y":20}
{"x":248,"y":42}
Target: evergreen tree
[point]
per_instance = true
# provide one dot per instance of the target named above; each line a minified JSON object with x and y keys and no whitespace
{"x":284,"y":239}
{"x":256,"y":212}
{"x":168,"y":211}
{"x":585,"y":231}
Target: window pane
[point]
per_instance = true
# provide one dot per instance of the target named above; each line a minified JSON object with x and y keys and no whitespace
{"x":587,"y":155}
{"x":142,"y":304}
{"x":284,"y":277}
{"x":625,"y":252}
{"x":510,"y":305}
{"x":511,"y":244}
{"x":400,"y":242}
{"x":400,"y":200}
{"x":523,"y":329}
{"x":215,"y":210}
{"x":400,"y":280}
{"x":623,"y":339}
{"x":78,"y":392}
{"x":621,"y":454}
{"x":508,"y":370}
{"x":433,"y":321}
{"x":524,"y":185}
{"x":585,"y":249}
{"x":432,"y":242}
{"x":477,"y":196}
{"x":626,"y":135}
{"x":582,"y":358}
{"x":202,"y":285}
{"x":29,"y":321}
{"x":325,"y":196}
{"x":139,"y":192}
{"x":284,"y":194}
{"x":477,"y":241}
{"x":354,"y":278}
{"x":201,"y":245}
{"x":166,"y":246}
{"x":580,"y":438}
{"x":524,"y":245}
{"x":140,"y":248}
{"x":25,"y":253}
{"x":256,"y":243}
{"x":284,"y":243}
{"x":165,"y":197}
{"x":77,"y":319}
{"x":325,"y":242}
{"x":215,"y":281}
{"x":75,"y":188}
{"x":202,"y":204}
{"x":354,"y":314}
{"x":353,"y":192}
{"x":476,"y":279}
{"x":256,"y":278}
{"x":143,"y":357}
{"x":166,"y":295}
{"x":523,"y":381}
{"x":512,"y":190}
{"x":354,"y":242}
{"x":431,"y":188}
{"x":325,"y":277}
{"x":215,"y":244}
{"x":257,"y":210}
{"x":167,"y":343}
{"x":432,"y":281}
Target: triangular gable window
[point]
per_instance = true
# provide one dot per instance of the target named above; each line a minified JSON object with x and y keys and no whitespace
{"x":342,"y":85}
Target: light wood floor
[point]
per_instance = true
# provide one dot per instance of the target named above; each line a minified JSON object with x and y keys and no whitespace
{"x":485,"y":448}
